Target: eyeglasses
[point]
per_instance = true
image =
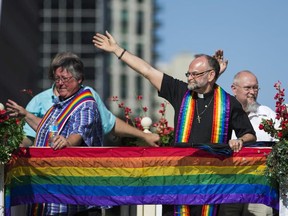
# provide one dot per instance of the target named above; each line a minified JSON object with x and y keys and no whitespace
{"x":63,"y":79}
{"x":195,"y":74}
{"x":248,"y":88}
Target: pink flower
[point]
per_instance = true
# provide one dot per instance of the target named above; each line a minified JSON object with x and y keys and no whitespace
{"x":268,"y":125}
{"x":27,"y":91}
{"x":145,"y":109}
{"x":121,"y":105}
{"x":114,"y":98}
{"x":3,"y":116}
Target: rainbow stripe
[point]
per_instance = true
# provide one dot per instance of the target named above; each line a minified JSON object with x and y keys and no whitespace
{"x":220,"y":117}
{"x":136,"y":175}
{"x":209,"y":210}
{"x":42,"y":122}
{"x":181,"y":210}
{"x":83,"y":97}
{"x":185,"y":119}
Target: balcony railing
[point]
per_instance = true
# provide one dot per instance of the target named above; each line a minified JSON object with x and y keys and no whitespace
{"x":137,"y":176}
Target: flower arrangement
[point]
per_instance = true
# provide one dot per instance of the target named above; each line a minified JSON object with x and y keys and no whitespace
{"x":165,"y":132}
{"x":160,"y":127}
{"x":11,"y":134}
{"x":277,"y":160}
{"x":268,"y":125}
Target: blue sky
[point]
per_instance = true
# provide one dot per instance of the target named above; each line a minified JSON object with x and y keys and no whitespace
{"x":252,"y":33}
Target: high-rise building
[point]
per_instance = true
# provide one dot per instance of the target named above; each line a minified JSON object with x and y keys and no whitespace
{"x":69,"y":25}
{"x":133,"y":23}
{"x":32,"y":35}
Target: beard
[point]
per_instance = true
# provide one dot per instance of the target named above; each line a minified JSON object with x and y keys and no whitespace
{"x":252,"y":107}
{"x":193,"y":86}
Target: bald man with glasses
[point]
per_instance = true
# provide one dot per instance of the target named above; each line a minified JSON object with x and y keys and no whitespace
{"x":245,"y":88}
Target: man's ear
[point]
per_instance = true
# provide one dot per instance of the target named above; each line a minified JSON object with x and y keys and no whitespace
{"x":233,"y":88}
{"x":211,"y":75}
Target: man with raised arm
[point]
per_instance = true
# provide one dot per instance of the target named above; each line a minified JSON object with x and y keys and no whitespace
{"x":204,"y":112}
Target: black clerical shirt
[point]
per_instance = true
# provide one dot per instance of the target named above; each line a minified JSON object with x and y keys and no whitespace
{"x":173,"y":90}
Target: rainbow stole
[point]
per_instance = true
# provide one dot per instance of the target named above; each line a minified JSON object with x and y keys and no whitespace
{"x":220,"y":116}
{"x":62,"y":118}
{"x":221,"y":112}
{"x":207,"y":210}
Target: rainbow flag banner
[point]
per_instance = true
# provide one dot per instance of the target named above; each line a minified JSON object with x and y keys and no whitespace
{"x":137,"y":175}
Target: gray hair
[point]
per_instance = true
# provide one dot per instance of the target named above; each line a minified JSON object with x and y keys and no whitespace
{"x":69,"y":61}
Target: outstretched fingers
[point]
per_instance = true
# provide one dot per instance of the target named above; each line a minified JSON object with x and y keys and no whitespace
{"x":97,"y":40}
{"x":110,"y":37}
{"x":105,"y":42}
{"x":219,"y":56}
{"x":14,"y":109}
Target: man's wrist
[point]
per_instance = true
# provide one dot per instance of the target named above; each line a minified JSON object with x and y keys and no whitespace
{"x":118,"y":51}
{"x":241,"y":140}
{"x":122,"y":54}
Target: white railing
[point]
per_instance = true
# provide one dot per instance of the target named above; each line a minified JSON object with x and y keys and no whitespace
{"x":151,"y":210}
{"x":1,"y":190}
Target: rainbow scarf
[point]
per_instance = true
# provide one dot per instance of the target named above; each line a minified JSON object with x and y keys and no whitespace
{"x":182,"y":210}
{"x":137,"y":176}
{"x":209,"y":210}
{"x":221,"y":112}
{"x":62,"y":118}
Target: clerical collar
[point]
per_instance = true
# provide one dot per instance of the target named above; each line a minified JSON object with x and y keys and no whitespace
{"x":200,"y":95}
{"x":206,"y":95}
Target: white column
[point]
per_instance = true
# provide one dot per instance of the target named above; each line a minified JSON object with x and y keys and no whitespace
{"x":151,"y":210}
{"x":1,"y":190}
{"x":283,"y":205}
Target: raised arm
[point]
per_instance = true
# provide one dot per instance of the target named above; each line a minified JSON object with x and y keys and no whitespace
{"x":108,"y":43}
